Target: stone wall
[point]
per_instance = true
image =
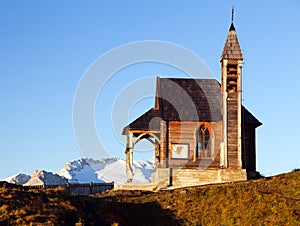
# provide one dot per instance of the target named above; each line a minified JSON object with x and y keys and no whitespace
{"x":192,"y":177}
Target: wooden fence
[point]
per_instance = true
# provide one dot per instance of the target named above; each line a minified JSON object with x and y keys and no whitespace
{"x":78,"y":189}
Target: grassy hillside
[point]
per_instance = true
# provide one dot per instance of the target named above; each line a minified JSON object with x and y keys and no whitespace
{"x":267,"y":201}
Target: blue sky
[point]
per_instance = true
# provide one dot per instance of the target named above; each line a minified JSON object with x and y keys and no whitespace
{"x":46,"y":47}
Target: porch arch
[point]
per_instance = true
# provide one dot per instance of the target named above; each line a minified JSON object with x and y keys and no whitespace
{"x":131,"y":142}
{"x":156,"y":143}
{"x":141,"y":136}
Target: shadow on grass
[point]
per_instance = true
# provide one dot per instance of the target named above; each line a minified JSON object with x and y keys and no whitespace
{"x":97,"y":211}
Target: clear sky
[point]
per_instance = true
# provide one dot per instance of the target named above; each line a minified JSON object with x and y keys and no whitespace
{"x":46,"y":47}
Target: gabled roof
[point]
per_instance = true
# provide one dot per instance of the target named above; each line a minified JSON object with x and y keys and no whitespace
{"x":232,"y":49}
{"x":189,"y":99}
{"x":185,"y":100}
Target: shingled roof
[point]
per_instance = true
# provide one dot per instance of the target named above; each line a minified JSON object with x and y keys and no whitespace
{"x":189,"y":99}
{"x":247,"y":117}
{"x":148,"y":121}
{"x":232,"y":49}
{"x":185,"y":100}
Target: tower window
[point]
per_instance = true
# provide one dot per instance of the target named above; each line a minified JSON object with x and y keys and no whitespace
{"x":232,"y":78}
{"x":203,"y":142}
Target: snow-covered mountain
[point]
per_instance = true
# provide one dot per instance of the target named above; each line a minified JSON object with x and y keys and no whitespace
{"x":18,"y":179}
{"x":105,"y":170}
{"x":45,"y":178}
{"x":86,"y":170}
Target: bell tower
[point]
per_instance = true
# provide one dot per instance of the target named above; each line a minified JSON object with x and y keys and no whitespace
{"x":231,"y":69}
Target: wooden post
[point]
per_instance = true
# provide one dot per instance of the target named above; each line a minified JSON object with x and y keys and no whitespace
{"x":224,"y":161}
{"x":240,"y":114}
{"x":167,"y":145}
{"x":129,"y":157}
{"x":157,"y":154}
{"x":91,"y":188}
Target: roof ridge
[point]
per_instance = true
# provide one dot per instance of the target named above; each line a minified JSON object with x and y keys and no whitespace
{"x":189,"y":78}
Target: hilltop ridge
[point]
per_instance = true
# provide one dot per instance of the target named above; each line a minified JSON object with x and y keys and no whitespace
{"x":266,"y":201}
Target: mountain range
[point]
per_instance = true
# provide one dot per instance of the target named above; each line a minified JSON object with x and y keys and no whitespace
{"x":86,"y":170}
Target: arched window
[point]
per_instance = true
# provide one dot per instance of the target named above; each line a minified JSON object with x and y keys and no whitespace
{"x":203,"y":142}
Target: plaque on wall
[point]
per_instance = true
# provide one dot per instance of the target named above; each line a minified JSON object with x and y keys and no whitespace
{"x":180,"y":151}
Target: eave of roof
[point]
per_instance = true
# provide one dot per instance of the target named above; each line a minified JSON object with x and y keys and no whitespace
{"x":150,"y":121}
{"x":247,"y":117}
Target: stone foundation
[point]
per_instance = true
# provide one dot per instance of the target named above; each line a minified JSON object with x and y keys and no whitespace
{"x":146,"y":186}
{"x":192,"y":177}
{"x":169,"y":178}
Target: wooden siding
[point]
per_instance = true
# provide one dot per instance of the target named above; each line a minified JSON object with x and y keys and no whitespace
{"x":185,"y":133}
{"x":163,"y":140}
{"x":232,"y":129}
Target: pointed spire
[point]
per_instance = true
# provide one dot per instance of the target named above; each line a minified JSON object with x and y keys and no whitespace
{"x":232,"y":28}
{"x":232,"y":49}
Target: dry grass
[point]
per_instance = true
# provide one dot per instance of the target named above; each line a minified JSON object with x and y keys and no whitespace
{"x":268,"y":201}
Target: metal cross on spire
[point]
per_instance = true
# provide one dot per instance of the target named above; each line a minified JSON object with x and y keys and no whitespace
{"x":232,"y":14}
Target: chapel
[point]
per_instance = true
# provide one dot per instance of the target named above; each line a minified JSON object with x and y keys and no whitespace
{"x":200,"y":130}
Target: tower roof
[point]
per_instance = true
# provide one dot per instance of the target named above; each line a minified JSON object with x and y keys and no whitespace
{"x":232,"y":49}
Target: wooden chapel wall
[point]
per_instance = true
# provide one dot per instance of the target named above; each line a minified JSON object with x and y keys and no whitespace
{"x":185,"y":133}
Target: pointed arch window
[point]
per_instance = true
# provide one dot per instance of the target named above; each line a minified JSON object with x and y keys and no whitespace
{"x":203,"y":142}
